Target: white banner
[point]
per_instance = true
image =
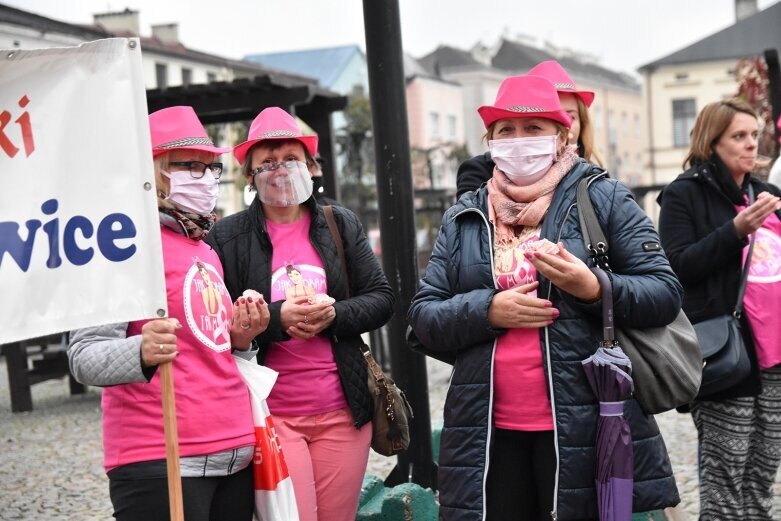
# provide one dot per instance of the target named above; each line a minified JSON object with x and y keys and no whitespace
{"x":79,"y":229}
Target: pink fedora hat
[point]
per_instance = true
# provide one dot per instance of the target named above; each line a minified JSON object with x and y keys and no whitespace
{"x":274,"y":123}
{"x":553,"y":72}
{"x":179,"y":128}
{"x":525,"y":97}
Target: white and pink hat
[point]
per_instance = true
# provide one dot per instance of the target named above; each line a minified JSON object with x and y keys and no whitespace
{"x":175,"y":128}
{"x":525,"y":97}
{"x":274,"y":123}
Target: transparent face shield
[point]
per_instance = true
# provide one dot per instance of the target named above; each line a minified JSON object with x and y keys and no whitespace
{"x":282,"y":184}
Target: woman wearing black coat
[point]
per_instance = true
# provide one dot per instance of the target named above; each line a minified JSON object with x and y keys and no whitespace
{"x":705,"y":224}
{"x":281,"y":246}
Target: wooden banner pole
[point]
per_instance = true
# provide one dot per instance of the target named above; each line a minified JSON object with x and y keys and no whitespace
{"x":171,"y":442}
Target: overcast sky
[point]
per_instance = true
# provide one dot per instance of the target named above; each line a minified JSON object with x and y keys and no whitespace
{"x":624,"y":34}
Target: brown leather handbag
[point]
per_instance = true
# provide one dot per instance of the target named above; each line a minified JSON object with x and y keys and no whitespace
{"x":392,"y":411}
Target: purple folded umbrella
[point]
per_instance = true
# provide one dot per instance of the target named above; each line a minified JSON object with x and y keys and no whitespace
{"x":609,"y":372}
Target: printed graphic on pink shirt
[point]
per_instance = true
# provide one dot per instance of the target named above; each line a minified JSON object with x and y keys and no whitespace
{"x":207,"y":306}
{"x":762,"y":301}
{"x":765,"y":266}
{"x":511,"y":267}
{"x":297,"y":280}
{"x":518,"y":356}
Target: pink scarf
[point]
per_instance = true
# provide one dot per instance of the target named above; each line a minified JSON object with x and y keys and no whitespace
{"x":526,"y":205}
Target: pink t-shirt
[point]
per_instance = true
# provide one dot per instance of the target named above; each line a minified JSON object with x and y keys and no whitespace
{"x":213,"y":411}
{"x":520,"y":387}
{"x":308,"y":381}
{"x":762,"y":301}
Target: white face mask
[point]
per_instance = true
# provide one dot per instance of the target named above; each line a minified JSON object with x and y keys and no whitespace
{"x":198,"y":196}
{"x":524,"y":160}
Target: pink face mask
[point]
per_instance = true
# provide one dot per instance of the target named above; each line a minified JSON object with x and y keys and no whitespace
{"x":198,"y":196}
{"x":524,"y":160}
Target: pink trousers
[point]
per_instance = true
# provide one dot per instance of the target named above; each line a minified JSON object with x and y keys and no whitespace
{"x":326,"y":456}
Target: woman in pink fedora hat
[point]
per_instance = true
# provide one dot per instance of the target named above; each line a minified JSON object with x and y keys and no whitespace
{"x":508,"y":298}
{"x":320,"y":402}
{"x":474,"y":172}
{"x":204,"y":325}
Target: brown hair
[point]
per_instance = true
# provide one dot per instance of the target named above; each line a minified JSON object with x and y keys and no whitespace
{"x":274,"y":144}
{"x":711,"y":123}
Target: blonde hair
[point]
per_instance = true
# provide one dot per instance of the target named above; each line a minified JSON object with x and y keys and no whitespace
{"x":711,"y":123}
{"x":163,"y":161}
{"x":586,"y":145}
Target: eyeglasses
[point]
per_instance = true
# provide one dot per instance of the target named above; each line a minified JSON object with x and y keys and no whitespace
{"x":271,"y":166}
{"x":198,"y":169}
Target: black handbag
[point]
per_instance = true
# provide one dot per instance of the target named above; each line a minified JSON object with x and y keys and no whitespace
{"x":726,"y":360}
{"x":666,"y":361}
{"x":391,"y":411}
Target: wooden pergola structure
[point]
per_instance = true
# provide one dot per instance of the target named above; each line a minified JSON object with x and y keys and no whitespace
{"x":242,"y":99}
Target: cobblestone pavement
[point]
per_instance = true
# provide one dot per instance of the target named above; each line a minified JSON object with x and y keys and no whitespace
{"x":51,"y":458}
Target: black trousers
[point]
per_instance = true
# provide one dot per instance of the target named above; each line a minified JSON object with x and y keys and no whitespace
{"x":224,"y":498}
{"x":521,"y":474}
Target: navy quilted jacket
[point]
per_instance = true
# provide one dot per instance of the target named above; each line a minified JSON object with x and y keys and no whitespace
{"x":449,"y":315}
{"x":245,"y":249}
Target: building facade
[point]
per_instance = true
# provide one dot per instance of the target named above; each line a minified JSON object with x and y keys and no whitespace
{"x":616,"y":111}
{"x":677,"y":86}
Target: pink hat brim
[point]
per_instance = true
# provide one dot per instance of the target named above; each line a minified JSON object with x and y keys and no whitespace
{"x":586,"y":95}
{"x":204,"y":148}
{"x":489,"y":114}
{"x":240,"y":150}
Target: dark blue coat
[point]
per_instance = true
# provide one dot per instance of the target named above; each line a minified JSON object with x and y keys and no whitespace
{"x":449,"y":315}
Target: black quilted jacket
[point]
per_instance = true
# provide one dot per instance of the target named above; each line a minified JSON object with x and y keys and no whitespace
{"x":245,"y":250}
{"x":449,"y":315}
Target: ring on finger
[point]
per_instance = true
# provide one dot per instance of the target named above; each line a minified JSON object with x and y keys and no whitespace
{"x":244,"y":325}
{"x":161,"y":347}
{"x":306,"y":319}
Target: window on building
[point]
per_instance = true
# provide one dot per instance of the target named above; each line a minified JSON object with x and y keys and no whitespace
{"x":451,"y":127}
{"x":211,"y":77}
{"x":612,"y":131}
{"x":597,"y":117}
{"x":433,"y":124}
{"x":187,"y":77}
{"x":681,"y":76}
{"x":161,"y":74}
{"x":638,"y":130}
{"x":624,"y":123}
{"x":684,"y":113}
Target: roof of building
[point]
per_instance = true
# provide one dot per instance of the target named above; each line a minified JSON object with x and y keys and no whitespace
{"x":256,"y":87}
{"x":13,"y":16}
{"x":747,"y":37}
{"x":325,"y":64}
{"x":444,"y":57}
{"x":518,"y":58}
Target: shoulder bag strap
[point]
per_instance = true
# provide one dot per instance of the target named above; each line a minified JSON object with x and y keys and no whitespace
{"x":744,"y":273}
{"x":594,"y":238}
{"x":329,"y":218}
{"x":608,"y":329}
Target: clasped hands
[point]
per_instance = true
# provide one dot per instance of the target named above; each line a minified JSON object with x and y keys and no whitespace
{"x":159,"y":342}
{"x":302,"y":319}
{"x":515,"y":308}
